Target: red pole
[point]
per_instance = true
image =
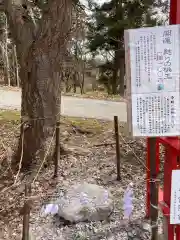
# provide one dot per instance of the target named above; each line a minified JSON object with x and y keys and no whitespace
{"x":174,"y":16}
{"x":148,"y":173}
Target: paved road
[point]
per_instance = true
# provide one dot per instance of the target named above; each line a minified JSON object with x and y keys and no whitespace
{"x":72,"y":106}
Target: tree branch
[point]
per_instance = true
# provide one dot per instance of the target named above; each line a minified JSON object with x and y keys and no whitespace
{"x":53,"y":30}
{"x":20,"y":25}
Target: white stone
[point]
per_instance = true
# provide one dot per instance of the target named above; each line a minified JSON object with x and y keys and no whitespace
{"x":85,"y":202}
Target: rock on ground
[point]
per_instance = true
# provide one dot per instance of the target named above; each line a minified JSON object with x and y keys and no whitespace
{"x":85,"y":202}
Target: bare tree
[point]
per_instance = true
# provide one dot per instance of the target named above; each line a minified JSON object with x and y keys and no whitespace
{"x":6,"y":57}
{"x":4,"y":48}
{"x":41,"y":47}
{"x":15,"y":67}
{"x":74,"y":63}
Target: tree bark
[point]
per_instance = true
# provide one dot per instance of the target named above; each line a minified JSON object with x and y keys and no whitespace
{"x":6,"y":56}
{"x":40,"y":53}
{"x":121,"y":77}
{"x":115,"y":73}
{"x":74,"y":82}
{"x":16,"y":67}
{"x":82,"y":82}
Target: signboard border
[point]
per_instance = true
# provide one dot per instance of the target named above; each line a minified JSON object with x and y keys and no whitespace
{"x":128,"y":81}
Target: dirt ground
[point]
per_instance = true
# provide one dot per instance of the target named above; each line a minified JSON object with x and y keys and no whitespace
{"x":90,"y":157}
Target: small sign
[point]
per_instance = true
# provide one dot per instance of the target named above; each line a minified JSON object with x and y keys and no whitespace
{"x":175,"y":198}
{"x":153,"y":80}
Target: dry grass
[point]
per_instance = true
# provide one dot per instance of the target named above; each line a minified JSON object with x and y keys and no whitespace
{"x":9,"y":116}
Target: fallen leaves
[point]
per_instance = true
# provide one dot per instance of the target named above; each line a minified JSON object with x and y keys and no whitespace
{"x":89,"y":156}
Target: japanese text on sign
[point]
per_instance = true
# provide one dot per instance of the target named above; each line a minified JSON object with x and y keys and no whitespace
{"x":154,"y":80}
{"x":175,"y":198}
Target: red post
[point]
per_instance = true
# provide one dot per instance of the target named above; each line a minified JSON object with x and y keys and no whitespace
{"x":174,"y":17}
{"x":170,"y":163}
{"x":148,"y":174}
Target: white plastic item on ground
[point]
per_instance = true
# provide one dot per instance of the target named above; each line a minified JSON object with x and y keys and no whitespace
{"x":49,"y":209}
{"x":127,"y":201}
{"x":85,"y":202}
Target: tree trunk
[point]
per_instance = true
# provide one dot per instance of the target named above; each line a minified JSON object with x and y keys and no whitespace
{"x":16,"y":67}
{"x":6,"y":57}
{"x":82,"y":83}
{"x":39,"y":109}
{"x":41,"y":54}
{"x":74,"y":82}
{"x":114,"y":81}
{"x":121,"y":77}
{"x":115,"y":73}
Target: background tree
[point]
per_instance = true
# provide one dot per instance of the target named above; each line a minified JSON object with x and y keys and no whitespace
{"x":106,"y":32}
{"x":75,"y":64}
{"x":9,"y":65}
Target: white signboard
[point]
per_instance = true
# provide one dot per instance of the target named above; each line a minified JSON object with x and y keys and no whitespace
{"x":175,"y":198}
{"x":153,"y":56}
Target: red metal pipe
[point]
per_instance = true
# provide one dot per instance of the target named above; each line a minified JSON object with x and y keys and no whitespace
{"x":169,"y":165}
{"x":148,"y":173}
{"x":173,"y":11}
{"x":174,"y":16}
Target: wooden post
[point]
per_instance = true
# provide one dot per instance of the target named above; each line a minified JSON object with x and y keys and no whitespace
{"x":153,"y":188}
{"x":116,"y":130}
{"x":57,"y":150}
{"x":26,"y":213}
